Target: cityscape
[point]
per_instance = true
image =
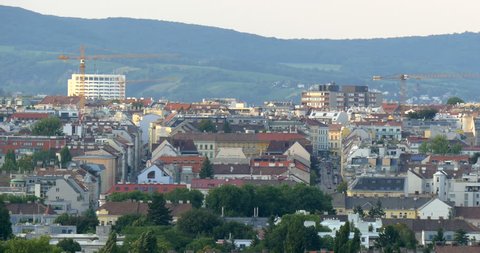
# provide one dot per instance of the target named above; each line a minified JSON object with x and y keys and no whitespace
{"x":117,"y":158}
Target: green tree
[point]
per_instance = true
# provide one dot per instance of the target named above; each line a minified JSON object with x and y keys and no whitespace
{"x":454,"y":101}
{"x":37,"y":245}
{"x":440,"y":145}
{"x":183,"y":194}
{"x":234,"y":229}
{"x":460,"y":237}
{"x":198,"y":222}
{"x":85,"y":223}
{"x":65,"y":156}
{"x":158,"y":213}
{"x":207,"y":169}
{"x":25,"y":164}
{"x":426,"y":114}
{"x":129,"y":220}
{"x":5,"y":225}
{"x":70,"y":246}
{"x":146,"y":243}
{"x":44,"y":157}
{"x":206,"y":125}
{"x":226,"y":127}
{"x":50,"y":126}
{"x":439,"y":238}
{"x":376,"y":211}
{"x":110,"y":245}
{"x":10,"y":162}
{"x":9,"y":166}
{"x":342,"y":187}
{"x":342,"y":243}
{"x":359,"y":210}
{"x":134,"y":195}
{"x":393,"y":238}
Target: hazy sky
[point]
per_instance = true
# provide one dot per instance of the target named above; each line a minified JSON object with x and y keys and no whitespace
{"x":286,"y":18}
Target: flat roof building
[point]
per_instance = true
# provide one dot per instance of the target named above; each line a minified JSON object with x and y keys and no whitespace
{"x":97,"y":86}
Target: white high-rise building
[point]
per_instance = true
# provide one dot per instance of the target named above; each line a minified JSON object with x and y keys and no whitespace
{"x":98,"y":86}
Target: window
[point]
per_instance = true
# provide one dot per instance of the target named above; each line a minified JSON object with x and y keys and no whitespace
{"x":151,"y":175}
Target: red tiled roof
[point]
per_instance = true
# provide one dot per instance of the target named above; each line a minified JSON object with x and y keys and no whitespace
{"x":194,"y":161}
{"x":443,"y":158}
{"x":177,"y":106}
{"x":60,"y":100}
{"x":198,"y":183}
{"x":28,"y":115}
{"x":162,"y":188}
{"x":29,"y":208}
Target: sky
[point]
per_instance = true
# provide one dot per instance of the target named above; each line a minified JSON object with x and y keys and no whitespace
{"x":311,"y":19}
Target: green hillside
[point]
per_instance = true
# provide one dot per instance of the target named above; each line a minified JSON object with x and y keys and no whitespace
{"x":213,"y":62}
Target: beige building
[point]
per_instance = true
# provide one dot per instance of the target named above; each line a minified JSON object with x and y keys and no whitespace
{"x":335,"y":139}
{"x":97,"y":86}
{"x":111,"y":174}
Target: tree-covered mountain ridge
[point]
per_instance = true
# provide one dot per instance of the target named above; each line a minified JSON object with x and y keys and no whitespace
{"x":215,"y":62}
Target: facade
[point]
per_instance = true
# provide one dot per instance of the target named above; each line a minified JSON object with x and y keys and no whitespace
{"x":318,"y":135}
{"x":30,"y":144}
{"x":335,"y":139}
{"x":98,"y":86}
{"x":334,"y":97}
{"x":154,"y":174}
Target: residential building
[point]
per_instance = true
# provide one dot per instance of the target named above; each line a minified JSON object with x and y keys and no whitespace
{"x":378,"y":186}
{"x":154,"y":174}
{"x":97,"y":86}
{"x":333,"y":97}
{"x":318,"y":135}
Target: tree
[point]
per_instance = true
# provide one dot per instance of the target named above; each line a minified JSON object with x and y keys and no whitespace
{"x":50,"y":126}
{"x":226,"y":127}
{"x":359,"y":210}
{"x":439,"y":237}
{"x":460,"y":237}
{"x":206,"y":125}
{"x":376,"y":211}
{"x":158,"y":213}
{"x":37,"y":245}
{"x":129,"y":220}
{"x":392,"y":238}
{"x":65,"y":156}
{"x":71,"y":246}
{"x":198,"y":222}
{"x":454,"y":101}
{"x":183,"y":194}
{"x":440,"y":145}
{"x":5,"y":225}
{"x":85,"y":223}
{"x":342,"y":243}
{"x":10,"y":162}
{"x":207,"y":169}
{"x":426,"y":114}
{"x":111,"y":244}
{"x":146,"y":243}
{"x":342,"y":187}
{"x":25,"y":164}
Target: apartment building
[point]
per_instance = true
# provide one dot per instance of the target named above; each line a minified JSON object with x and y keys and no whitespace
{"x":335,"y":97}
{"x":96,"y":86}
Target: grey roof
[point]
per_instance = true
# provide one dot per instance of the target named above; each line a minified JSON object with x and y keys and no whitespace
{"x":390,"y":184}
{"x":406,"y":203}
{"x":255,"y":222}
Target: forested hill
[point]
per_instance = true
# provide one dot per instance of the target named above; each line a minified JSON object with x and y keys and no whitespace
{"x":213,"y":62}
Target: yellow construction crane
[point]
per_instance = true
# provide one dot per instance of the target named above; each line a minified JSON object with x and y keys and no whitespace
{"x":82,"y":58}
{"x":404,"y":77}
